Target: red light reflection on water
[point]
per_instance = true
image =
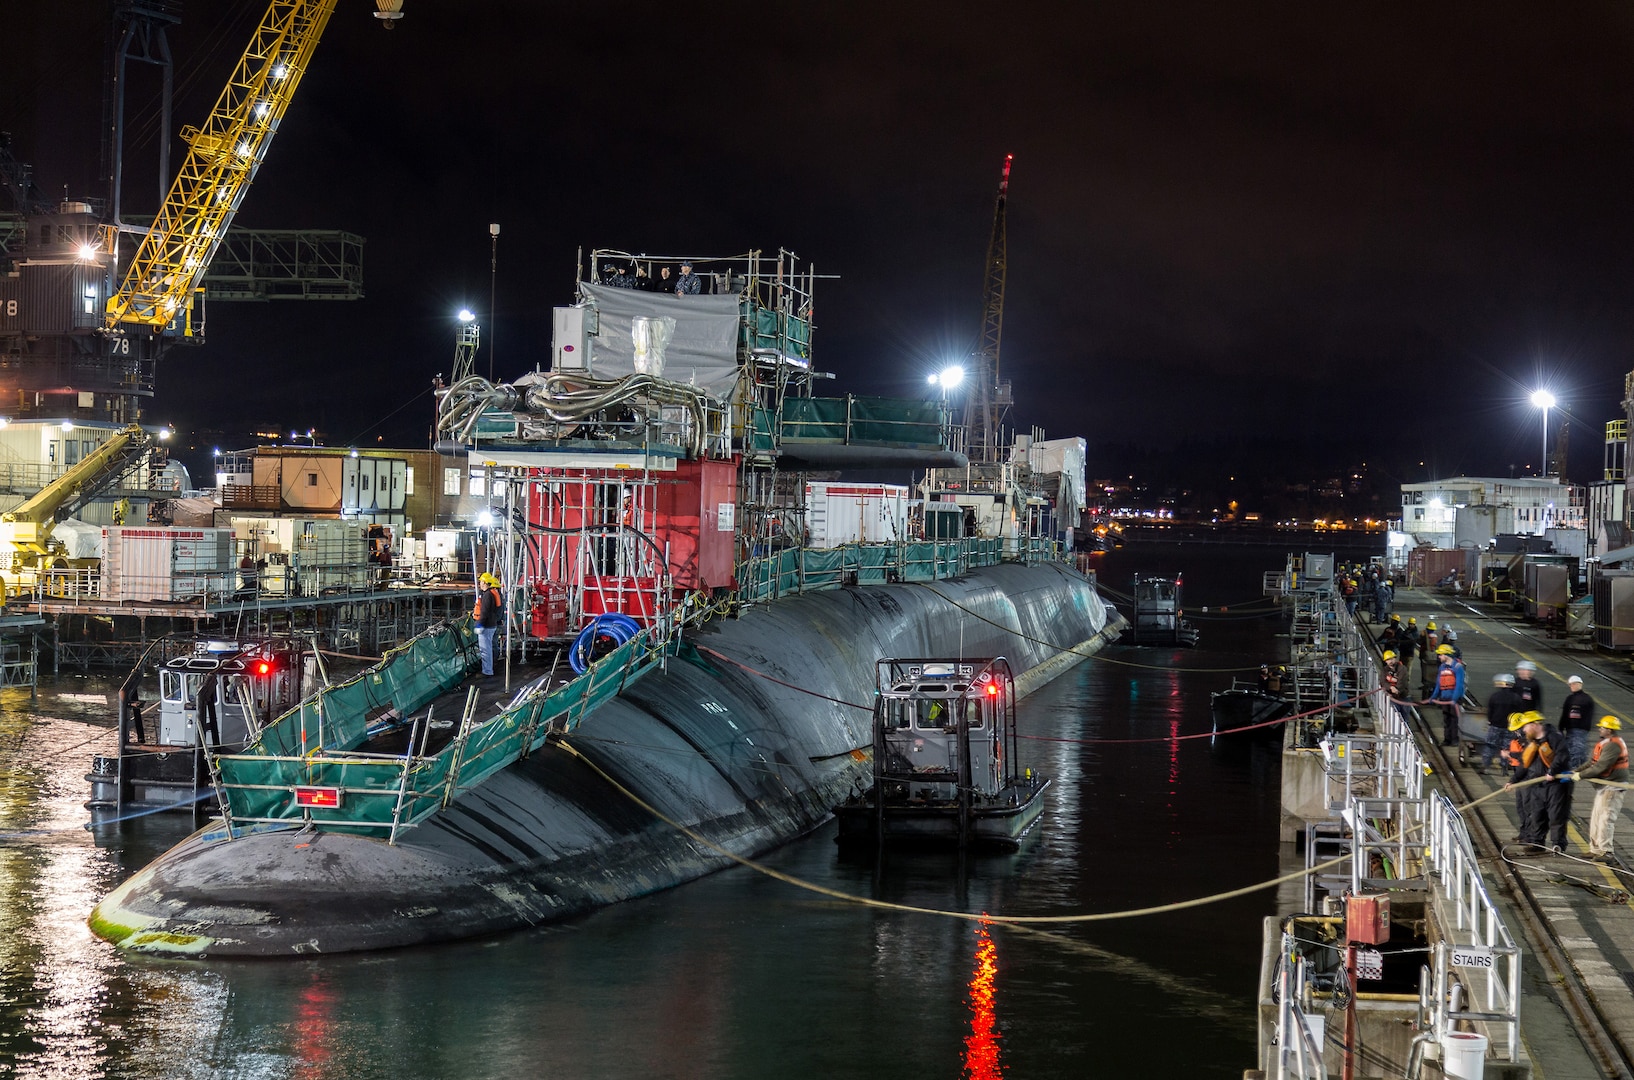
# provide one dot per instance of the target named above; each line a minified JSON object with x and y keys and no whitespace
{"x":982,"y":1045}
{"x":314,"y":1030}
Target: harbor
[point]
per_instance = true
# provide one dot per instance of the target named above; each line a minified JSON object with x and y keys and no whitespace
{"x":1130,"y":819}
{"x":536,"y":547}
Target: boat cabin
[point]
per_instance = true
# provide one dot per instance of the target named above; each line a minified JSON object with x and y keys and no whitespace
{"x":945,"y":755}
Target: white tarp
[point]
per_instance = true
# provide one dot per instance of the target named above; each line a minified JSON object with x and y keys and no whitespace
{"x":702,"y":350}
{"x":82,"y":541}
{"x":1065,"y":458}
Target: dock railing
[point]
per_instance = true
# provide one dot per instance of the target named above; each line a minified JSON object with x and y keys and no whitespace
{"x":1478,"y":948}
{"x":1376,"y":783}
{"x":1298,"y":1056}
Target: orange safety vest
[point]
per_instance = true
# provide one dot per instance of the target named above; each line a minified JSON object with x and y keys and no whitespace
{"x":1622,"y":751}
{"x":1447,"y":678}
{"x":1534,"y":749}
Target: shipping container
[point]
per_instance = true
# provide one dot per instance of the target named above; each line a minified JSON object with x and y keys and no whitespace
{"x":158,"y":563}
{"x":839,"y":513}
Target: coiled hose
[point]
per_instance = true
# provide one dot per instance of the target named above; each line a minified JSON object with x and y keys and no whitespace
{"x":614,"y":626}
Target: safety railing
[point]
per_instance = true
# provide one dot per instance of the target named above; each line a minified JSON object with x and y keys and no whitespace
{"x":1298,"y":1049}
{"x":1486,"y":959}
{"x":799,"y":570}
{"x":317,"y":745}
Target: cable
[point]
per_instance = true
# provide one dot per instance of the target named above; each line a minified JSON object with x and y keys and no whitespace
{"x":1011,"y":920}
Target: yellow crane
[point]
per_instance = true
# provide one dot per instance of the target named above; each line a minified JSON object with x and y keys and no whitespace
{"x":222,"y":158}
{"x":26,"y":544}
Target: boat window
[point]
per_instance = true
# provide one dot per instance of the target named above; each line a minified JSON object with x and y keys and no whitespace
{"x":934,"y":715}
{"x":973,"y":713}
{"x":901,"y":714}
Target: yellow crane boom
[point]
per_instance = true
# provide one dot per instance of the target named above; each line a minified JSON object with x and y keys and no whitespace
{"x":222,"y":159}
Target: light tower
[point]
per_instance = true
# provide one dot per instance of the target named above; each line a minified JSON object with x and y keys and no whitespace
{"x":989,"y":399}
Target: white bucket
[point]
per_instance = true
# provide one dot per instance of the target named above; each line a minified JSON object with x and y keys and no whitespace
{"x":1463,"y":1055}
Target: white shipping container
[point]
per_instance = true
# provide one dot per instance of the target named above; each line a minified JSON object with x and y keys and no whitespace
{"x":158,"y":563}
{"x":839,"y":513}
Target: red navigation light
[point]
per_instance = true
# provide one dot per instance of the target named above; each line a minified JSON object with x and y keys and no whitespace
{"x":263,"y":667}
{"x":992,"y":689}
{"x":323,"y":797}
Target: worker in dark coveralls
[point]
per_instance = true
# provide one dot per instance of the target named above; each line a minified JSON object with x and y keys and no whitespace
{"x":489,"y":611}
{"x":1577,"y":719}
{"x":1528,"y":687}
{"x":1499,"y":708}
{"x":133,"y":721}
{"x":688,"y":284}
{"x":1548,"y":805}
{"x":205,"y":704}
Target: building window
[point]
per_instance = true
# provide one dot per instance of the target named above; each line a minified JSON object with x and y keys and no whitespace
{"x":408,"y":480}
{"x":477,"y":485}
{"x":451,"y":481}
{"x":1418,"y":513}
{"x":70,"y":451}
{"x":311,"y":479}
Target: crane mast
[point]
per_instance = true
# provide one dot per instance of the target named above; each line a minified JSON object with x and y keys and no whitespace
{"x":222,"y":159}
{"x":989,"y":400}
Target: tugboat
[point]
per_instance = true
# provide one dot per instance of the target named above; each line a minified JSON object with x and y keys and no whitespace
{"x":1159,"y":618}
{"x":160,"y":765}
{"x":1249,"y":704}
{"x":945,"y":772}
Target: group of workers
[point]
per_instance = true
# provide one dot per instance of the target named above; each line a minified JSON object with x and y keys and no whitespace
{"x":1553,"y":756}
{"x":1367,"y":588}
{"x":686,"y":283}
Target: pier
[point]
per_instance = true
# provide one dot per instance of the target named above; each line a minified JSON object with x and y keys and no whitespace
{"x":1374,"y":786}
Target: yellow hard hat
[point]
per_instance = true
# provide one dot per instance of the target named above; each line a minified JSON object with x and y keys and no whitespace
{"x":1412,"y":621}
{"x":488,"y":579}
{"x":1443,"y":650}
{"x":1389,"y":654}
{"x":1520,"y":720}
{"x":1432,"y":624}
{"x":1611,"y":723}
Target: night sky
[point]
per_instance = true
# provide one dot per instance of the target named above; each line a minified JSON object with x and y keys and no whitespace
{"x":1326,"y":231}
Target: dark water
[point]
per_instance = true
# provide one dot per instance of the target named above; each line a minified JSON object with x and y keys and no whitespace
{"x":737,"y":975}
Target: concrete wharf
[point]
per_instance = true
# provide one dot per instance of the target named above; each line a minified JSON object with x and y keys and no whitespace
{"x":1573,"y":913}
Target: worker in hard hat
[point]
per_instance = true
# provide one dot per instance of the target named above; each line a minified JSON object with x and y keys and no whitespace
{"x":1527,"y":685}
{"x":1545,"y":807}
{"x":1390,"y":676}
{"x":1577,"y":719}
{"x":1607,"y":761}
{"x":1429,"y":658}
{"x":1499,"y":707}
{"x":1448,"y":692}
{"x":487,"y":615}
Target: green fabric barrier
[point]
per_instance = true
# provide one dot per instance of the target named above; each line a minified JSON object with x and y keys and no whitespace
{"x":873,"y":564}
{"x":258,"y":786}
{"x":814,"y":418}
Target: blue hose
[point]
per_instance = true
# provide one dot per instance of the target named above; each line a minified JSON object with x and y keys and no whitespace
{"x":617,"y":627}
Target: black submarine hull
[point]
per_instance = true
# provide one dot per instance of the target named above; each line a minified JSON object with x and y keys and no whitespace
{"x":748,"y":740}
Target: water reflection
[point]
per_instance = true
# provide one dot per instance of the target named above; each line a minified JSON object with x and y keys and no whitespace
{"x":735,"y":975}
{"x":982,"y":1045}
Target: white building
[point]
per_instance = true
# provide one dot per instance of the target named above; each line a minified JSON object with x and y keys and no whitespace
{"x":1467,"y":511}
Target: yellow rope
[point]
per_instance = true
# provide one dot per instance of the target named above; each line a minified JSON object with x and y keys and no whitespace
{"x":1011,"y":920}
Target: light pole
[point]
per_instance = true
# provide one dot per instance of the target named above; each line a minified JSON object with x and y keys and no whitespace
{"x":1545,"y":401}
{"x":948,"y":378}
{"x":493,"y":279}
